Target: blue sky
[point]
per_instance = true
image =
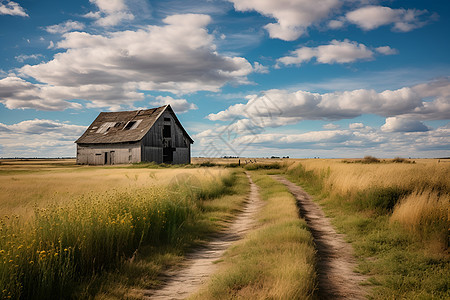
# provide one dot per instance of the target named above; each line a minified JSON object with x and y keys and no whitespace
{"x":256,"y":78}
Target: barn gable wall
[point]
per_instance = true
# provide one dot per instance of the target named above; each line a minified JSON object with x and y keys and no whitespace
{"x":153,"y":141}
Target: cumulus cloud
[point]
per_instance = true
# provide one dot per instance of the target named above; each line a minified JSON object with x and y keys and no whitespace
{"x":356,"y":126}
{"x":293,"y":16}
{"x":259,"y":68}
{"x":429,"y":101}
{"x":371,"y":17}
{"x":112,"y":70}
{"x":32,"y":138}
{"x":395,"y":124}
{"x":110,"y":13}
{"x":178,"y":105}
{"x":12,"y":8}
{"x":335,"y":52}
{"x":65,"y":27}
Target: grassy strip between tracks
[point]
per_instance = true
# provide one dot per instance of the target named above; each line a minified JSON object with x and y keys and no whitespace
{"x":275,"y":260}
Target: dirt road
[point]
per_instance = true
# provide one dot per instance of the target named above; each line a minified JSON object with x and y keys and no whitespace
{"x":336,"y":261}
{"x":179,"y":284}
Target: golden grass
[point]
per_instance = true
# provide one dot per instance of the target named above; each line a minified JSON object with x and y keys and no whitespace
{"x":340,"y":177}
{"x":368,"y":202}
{"x":424,"y":213}
{"x":21,"y":192}
{"x":89,"y":221}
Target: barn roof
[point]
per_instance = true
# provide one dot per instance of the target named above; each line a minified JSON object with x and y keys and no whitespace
{"x":124,"y":126}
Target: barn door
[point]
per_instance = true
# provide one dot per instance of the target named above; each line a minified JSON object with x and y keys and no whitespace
{"x":111,"y":157}
{"x":168,"y":155}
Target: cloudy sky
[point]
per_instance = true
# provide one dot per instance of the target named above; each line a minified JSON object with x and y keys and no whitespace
{"x":257,"y":78}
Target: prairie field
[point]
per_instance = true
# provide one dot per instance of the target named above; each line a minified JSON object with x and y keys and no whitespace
{"x":29,"y":184}
{"x":60,"y":222}
{"x":105,"y":232}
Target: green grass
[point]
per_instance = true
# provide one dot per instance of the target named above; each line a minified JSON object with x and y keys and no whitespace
{"x":61,"y":247}
{"x":401,"y":264}
{"x":274,"y":261}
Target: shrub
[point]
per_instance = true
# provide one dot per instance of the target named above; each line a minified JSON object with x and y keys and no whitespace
{"x":370,"y":160}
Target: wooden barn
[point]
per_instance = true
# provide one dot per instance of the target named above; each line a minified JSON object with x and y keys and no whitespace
{"x":151,"y":135}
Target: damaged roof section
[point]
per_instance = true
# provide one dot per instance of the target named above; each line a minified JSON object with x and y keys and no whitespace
{"x":124,"y":126}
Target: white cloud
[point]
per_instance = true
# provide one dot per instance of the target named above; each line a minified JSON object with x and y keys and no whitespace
{"x":356,"y":126}
{"x":330,"y":126}
{"x":386,"y":50}
{"x":178,"y":105}
{"x":112,"y":70}
{"x":65,"y":27}
{"x":37,"y":137}
{"x":395,"y":124}
{"x":293,"y":16}
{"x":335,"y":52}
{"x":371,"y":17}
{"x":259,"y":68}
{"x":23,"y":57}
{"x":111,"y":12}
{"x":429,"y":101}
{"x":12,"y":8}
{"x":336,"y":24}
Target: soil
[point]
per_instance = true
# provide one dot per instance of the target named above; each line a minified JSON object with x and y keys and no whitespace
{"x":201,"y":264}
{"x":336,"y":260}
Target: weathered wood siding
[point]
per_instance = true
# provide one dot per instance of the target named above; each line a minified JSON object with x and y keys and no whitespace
{"x":153,"y":141}
{"x":99,"y":154}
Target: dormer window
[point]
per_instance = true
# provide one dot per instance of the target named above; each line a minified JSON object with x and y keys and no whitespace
{"x":129,"y":125}
{"x":105,"y":127}
{"x":132,"y":124}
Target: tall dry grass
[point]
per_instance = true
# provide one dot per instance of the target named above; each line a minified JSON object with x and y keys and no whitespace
{"x":368,"y":202}
{"x":346,"y":178}
{"x":417,"y":194}
{"x":42,"y":256}
{"x":425,"y":213}
{"x":39,"y":187}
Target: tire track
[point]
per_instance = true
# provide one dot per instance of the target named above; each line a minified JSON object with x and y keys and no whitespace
{"x":199,"y":265}
{"x":336,"y":261}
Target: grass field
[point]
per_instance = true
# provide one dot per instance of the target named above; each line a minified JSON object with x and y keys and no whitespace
{"x":108,"y":232}
{"x":61,"y":223}
{"x":396,"y":215}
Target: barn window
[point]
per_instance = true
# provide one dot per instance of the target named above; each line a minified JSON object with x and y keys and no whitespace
{"x":166,"y":131}
{"x":167,"y":119}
